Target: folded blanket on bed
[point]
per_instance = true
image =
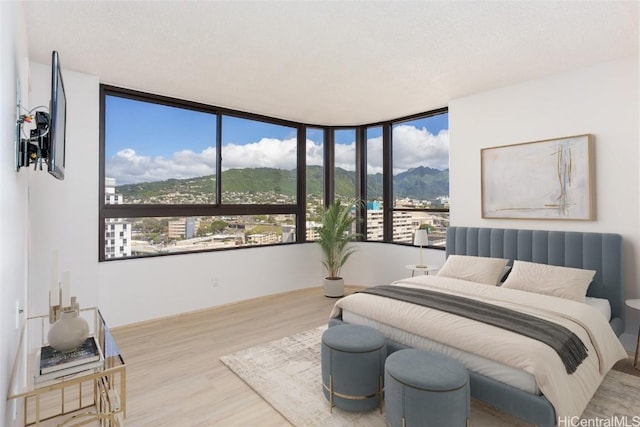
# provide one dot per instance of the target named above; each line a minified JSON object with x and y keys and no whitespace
{"x":569,"y":347}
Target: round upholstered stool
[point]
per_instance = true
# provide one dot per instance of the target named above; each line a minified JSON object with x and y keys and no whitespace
{"x":425,"y":388}
{"x":352,"y":358}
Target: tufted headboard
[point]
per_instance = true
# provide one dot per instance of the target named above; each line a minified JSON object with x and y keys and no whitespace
{"x":601,"y":252}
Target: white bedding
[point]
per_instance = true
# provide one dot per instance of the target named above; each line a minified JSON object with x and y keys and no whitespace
{"x":507,"y":374}
{"x":569,"y":394}
{"x":600,"y":304}
{"x":487,"y":367}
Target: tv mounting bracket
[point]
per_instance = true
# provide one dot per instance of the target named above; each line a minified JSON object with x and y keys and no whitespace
{"x":32,"y":150}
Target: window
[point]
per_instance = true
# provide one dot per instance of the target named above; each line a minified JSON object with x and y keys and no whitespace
{"x":314,"y":180}
{"x":375,"y":213}
{"x":345,"y":163}
{"x":180,"y":177}
{"x":258,"y":162}
{"x":158,"y":154}
{"x":173,"y":171}
{"x":420,"y":168}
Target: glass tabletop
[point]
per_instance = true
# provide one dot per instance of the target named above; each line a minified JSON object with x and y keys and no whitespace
{"x":633,"y":303}
{"x":26,"y":368}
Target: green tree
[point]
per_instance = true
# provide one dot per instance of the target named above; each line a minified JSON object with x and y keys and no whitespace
{"x":218,"y":226}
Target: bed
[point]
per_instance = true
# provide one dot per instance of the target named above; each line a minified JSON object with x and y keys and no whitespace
{"x":501,"y":374}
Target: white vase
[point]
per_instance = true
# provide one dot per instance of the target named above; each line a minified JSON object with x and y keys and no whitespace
{"x":68,"y":332}
{"x":333,"y":287}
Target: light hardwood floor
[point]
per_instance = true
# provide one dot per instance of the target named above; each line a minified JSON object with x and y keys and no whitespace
{"x":175,"y":377}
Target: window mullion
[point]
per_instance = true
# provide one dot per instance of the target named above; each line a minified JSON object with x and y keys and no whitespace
{"x":387,"y":186}
{"x":329,"y":166}
{"x":301,"y":220}
{"x":219,"y":159}
{"x":361,"y":181}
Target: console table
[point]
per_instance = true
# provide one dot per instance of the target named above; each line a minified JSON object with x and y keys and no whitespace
{"x":95,"y":394}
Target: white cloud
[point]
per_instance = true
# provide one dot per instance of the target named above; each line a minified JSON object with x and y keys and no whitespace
{"x":266,"y":153}
{"x":128,"y":167}
{"x":345,"y":156}
{"x":374,"y":155}
{"x":413,"y":147}
{"x":315,"y":153}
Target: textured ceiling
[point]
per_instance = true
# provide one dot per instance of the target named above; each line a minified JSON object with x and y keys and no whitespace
{"x":328,"y":62}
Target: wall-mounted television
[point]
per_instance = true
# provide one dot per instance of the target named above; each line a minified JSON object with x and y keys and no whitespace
{"x":48,"y":140}
{"x":55,"y":146}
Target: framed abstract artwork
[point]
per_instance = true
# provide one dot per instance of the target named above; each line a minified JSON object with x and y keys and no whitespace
{"x":550,"y":179}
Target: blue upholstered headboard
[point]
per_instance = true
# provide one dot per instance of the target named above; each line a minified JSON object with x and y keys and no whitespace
{"x":593,"y":251}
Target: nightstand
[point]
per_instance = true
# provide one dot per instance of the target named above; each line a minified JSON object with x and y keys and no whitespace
{"x":428,"y":269}
{"x":635,"y":304}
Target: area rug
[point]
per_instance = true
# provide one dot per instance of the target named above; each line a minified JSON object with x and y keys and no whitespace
{"x":286,"y":373}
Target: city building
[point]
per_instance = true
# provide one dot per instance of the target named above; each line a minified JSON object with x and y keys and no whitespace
{"x":183,"y":228}
{"x":263,"y":238}
{"x":117,"y":239}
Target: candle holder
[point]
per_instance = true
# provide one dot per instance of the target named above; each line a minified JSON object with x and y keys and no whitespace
{"x":60,"y":299}
{"x":68,"y":329}
{"x":55,"y":311}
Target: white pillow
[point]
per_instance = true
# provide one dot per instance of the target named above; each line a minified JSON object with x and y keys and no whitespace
{"x":564,"y":282}
{"x":474,"y":268}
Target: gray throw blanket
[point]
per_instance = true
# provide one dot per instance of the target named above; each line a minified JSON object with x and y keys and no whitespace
{"x":569,"y":347}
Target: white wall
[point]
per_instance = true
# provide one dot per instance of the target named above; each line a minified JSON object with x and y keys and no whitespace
{"x":601,"y":100}
{"x":64,"y":213}
{"x":381,"y":263}
{"x":142,"y":289}
{"x":13,"y":196}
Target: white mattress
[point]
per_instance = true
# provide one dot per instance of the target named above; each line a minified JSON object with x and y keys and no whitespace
{"x":498,"y":371}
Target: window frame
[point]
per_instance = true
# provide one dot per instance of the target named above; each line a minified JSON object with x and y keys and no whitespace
{"x":387,"y":167}
{"x":108,"y":211}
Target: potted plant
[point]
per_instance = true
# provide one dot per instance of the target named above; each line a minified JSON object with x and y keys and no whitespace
{"x":335,"y":237}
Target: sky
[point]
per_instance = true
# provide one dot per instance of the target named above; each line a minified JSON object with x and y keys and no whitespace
{"x":152,"y":142}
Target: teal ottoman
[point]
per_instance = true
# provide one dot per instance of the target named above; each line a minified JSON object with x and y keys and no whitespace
{"x":352,"y":359}
{"x":427,"y":389}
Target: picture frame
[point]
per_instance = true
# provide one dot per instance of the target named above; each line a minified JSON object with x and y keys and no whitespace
{"x":548,"y":179}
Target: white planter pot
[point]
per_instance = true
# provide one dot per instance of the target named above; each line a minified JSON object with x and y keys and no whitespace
{"x":333,"y":287}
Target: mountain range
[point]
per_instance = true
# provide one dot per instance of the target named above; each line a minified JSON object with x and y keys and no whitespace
{"x":421,"y":183}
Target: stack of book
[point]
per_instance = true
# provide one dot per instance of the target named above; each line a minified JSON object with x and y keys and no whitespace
{"x":55,"y":365}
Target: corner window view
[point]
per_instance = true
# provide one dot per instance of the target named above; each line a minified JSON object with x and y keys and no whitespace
{"x":158,"y":154}
{"x":421,"y":178}
{"x":181,"y":177}
{"x":258,"y":162}
{"x":314,"y":181}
